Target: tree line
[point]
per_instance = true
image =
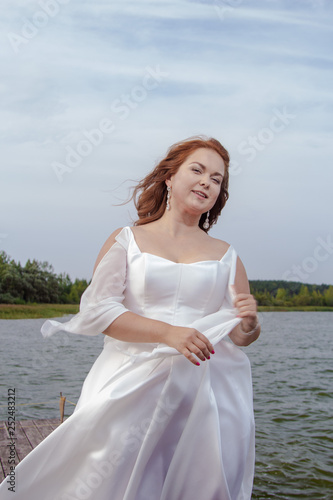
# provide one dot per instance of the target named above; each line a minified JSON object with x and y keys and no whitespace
{"x":291,"y":293}
{"x":37,"y":282}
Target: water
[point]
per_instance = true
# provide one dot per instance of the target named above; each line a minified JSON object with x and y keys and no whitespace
{"x":292,"y":378}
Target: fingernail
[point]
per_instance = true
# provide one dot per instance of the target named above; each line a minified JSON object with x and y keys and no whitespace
{"x":208,"y":357}
{"x":198,"y":364}
{"x":213,"y":352}
{"x":203,"y":359}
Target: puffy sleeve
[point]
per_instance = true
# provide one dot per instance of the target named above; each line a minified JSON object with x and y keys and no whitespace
{"x":101,"y":302}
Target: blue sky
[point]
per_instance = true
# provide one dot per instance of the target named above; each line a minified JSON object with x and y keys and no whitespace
{"x":93,"y":94}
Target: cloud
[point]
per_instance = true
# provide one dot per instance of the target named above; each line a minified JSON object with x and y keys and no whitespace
{"x":226,"y":77}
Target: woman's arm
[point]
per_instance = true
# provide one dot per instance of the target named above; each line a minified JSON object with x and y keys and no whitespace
{"x":247,"y":307}
{"x":106,"y":247}
{"x":131,"y":327}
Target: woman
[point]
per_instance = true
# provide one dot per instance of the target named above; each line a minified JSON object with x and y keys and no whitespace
{"x":165,"y":413}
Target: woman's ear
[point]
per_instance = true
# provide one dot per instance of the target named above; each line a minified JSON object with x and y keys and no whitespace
{"x":168,"y":182}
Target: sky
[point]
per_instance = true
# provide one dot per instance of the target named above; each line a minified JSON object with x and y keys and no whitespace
{"x":93,"y":93}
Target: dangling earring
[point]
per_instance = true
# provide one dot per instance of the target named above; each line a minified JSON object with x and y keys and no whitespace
{"x":206,"y":223}
{"x":168,"y":198}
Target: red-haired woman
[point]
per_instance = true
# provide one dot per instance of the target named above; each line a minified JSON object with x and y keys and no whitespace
{"x":166,"y":411}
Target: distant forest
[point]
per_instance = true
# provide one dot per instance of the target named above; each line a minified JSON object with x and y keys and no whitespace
{"x":37,"y":282}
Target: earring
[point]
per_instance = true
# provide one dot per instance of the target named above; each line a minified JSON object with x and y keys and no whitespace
{"x":206,"y":223}
{"x":168,"y":198}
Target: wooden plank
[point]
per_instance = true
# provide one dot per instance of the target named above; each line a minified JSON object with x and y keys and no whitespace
{"x":31,"y":432}
{"x":28,"y":434}
{"x":2,"y":472}
{"x":36,"y":431}
{"x":4,"y":449}
{"x":55,"y":422}
{"x":23,"y":447}
{"x":44,"y":426}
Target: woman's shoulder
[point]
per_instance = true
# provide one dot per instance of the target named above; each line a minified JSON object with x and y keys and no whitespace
{"x":223,"y":247}
{"x":111,"y":240}
{"x":218,"y":245}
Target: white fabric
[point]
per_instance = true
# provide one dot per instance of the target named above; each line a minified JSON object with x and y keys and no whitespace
{"x":150,"y":425}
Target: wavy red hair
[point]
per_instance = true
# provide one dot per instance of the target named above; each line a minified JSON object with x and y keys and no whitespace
{"x":150,"y":194}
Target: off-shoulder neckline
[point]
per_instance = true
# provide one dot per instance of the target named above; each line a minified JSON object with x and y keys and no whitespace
{"x":128,"y":228}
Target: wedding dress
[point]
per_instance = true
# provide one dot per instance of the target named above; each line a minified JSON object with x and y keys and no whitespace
{"x":150,"y":425}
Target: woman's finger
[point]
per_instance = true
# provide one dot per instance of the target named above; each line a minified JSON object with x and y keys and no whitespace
{"x":247,"y":314}
{"x":207,"y":343}
{"x":187,"y":353}
{"x":247,"y":305}
{"x":249,"y":301}
{"x":200,"y":350}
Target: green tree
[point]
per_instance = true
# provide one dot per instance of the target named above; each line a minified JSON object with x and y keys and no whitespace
{"x":65,"y":285}
{"x":317,"y":298}
{"x":77,"y":289}
{"x":10,"y":279}
{"x":328,"y":296}
{"x":281,"y":297}
{"x":303,"y":298}
{"x":263,"y":298}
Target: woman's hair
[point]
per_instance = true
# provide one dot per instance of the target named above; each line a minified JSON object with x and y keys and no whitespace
{"x":150,"y":194}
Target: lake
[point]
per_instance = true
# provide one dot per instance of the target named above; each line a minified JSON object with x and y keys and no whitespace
{"x":292,"y":380}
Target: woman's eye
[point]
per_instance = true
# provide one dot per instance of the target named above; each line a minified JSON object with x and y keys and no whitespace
{"x":217,"y":181}
{"x":196,"y":170}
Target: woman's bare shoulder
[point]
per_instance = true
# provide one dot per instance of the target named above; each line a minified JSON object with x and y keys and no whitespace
{"x":107,"y":245}
{"x":219,"y":245}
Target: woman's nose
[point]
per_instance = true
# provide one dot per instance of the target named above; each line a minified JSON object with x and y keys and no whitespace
{"x":204,"y":181}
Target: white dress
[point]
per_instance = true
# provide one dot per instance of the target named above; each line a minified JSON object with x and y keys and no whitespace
{"x":150,"y":425}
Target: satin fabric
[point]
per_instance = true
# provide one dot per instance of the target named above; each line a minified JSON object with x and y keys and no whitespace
{"x":150,"y":425}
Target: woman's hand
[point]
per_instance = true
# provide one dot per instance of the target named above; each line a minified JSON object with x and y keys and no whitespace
{"x":249,"y":329}
{"x":189,"y":341}
{"x":247,"y":307}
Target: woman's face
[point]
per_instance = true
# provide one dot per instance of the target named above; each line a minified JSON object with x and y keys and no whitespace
{"x":196,"y":185}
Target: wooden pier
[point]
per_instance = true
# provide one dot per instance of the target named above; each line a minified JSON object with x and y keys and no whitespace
{"x":28,"y":434}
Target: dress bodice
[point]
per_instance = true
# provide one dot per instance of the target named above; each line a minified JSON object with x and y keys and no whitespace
{"x":176,"y":293}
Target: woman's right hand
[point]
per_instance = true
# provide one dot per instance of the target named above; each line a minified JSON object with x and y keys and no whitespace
{"x":189,"y":341}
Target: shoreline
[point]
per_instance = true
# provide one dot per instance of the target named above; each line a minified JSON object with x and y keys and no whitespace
{"x":34,"y":311}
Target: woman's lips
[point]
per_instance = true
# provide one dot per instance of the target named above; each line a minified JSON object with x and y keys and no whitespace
{"x":200,"y":195}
